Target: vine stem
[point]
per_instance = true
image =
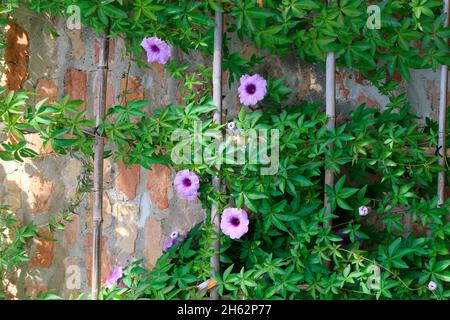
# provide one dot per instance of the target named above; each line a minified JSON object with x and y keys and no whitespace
{"x":217,"y":118}
{"x":442,"y":120}
{"x":102,"y":78}
{"x":330,"y":100}
{"x":383,"y":267}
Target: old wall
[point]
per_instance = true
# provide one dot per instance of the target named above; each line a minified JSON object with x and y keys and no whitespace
{"x":141,"y":207}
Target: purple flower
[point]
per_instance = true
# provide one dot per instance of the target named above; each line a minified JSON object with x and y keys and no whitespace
{"x":252,"y":89}
{"x":115,"y":275}
{"x":168,"y":244}
{"x":187,"y":184}
{"x":231,"y":126}
{"x":432,"y":286}
{"x":157,"y":50}
{"x":363,"y":211}
{"x":174,"y":238}
{"x":234,"y":222}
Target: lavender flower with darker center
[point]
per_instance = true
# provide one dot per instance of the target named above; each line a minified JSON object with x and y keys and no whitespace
{"x":157,"y":50}
{"x":174,"y":238}
{"x":231,"y":125}
{"x":114,"y":276}
{"x":187,"y":184}
{"x":432,"y":286}
{"x":252,"y":89}
{"x":363,"y":211}
{"x":234,"y":222}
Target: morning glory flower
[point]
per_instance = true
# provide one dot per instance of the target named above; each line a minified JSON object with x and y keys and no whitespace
{"x":157,"y":50}
{"x":187,"y":184}
{"x":114,"y":276}
{"x":174,"y":238}
{"x":252,"y":89}
{"x":432,"y":286}
{"x":234,"y":222}
{"x":363,"y":211}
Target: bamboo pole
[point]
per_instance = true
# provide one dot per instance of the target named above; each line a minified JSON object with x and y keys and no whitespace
{"x":217,"y":118}
{"x":98,"y":165}
{"x":330,"y":106}
{"x":442,"y":122}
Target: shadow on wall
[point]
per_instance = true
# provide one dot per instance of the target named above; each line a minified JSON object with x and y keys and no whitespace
{"x":33,"y":194}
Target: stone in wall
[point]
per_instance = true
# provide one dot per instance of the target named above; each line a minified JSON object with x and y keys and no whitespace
{"x":77,"y":49}
{"x":126,"y":216}
{"x":40,"y":192}
{"x":70,"y":174}
{"x":34,"y":286}
{"x":153,"y":247}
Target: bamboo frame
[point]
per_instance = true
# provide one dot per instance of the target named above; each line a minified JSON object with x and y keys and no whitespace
{"x":330,"y":106}
{"x":217,"y":118}
{"x":442,"y":121}
{"x":98,"y":166}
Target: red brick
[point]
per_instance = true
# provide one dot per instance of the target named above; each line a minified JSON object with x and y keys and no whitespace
{"x":158,"y":182}
{"x":128,"y":179}
{"x":75,"y":82}
{"x":224,"y":78}
{"x":368,"y":101}
{"x":46,"y":88}
{"x":359,"y":78}
{"x":16,"y":56}
{"x":44,"y":251}
{"x":397,"y":77}
{"x":132,"y":90}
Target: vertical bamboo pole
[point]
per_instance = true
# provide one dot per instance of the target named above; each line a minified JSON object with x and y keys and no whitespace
{"x":330,"y":103}
{"x":217,"y":118}
{"x":442,"y":121}
{"x":102,"y":77}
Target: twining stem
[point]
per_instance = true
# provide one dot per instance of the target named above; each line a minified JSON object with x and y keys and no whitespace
{"x":98,"y":165}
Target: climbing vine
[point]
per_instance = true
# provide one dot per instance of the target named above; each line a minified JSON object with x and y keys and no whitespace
{"x":384,"y":210}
